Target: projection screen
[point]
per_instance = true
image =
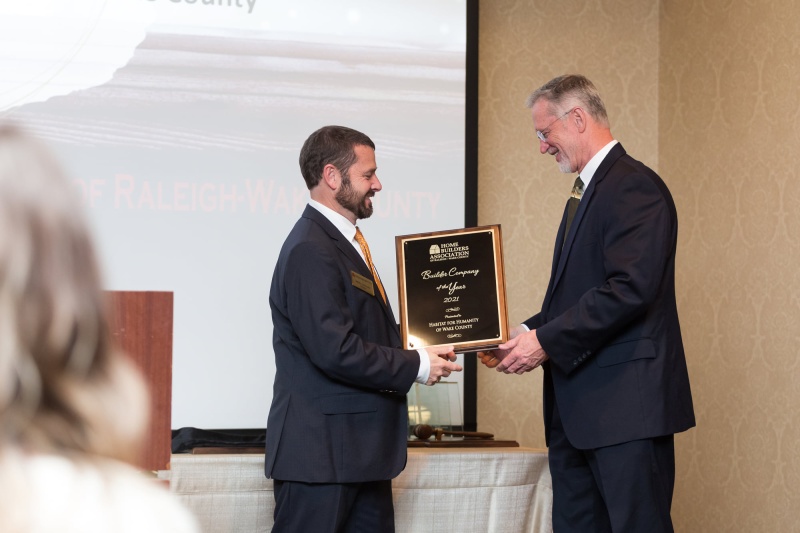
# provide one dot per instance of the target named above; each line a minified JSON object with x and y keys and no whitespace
{"x":181,"y":122}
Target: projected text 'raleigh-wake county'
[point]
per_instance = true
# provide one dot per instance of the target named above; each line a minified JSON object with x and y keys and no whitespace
{"x":257,"y":196}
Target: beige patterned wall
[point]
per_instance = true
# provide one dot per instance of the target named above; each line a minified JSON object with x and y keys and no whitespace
{"x":728,"y":123}
{"x":708,"y":93}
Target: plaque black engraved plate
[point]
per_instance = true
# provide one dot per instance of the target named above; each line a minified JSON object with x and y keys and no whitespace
{"x":452,"y":289}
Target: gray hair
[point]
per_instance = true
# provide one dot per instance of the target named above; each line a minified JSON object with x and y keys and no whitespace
{"x":571,"y":90}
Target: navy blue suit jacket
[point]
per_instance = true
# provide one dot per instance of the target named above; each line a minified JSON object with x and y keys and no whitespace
{"x":338,"y":411}
{"x":609,"y":320}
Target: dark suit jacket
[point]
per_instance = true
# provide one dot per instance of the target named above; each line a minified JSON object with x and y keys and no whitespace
{"x":609,"y":320}
{"x":339,"y":410}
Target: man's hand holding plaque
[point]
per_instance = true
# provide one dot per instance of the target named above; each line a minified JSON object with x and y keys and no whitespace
{"x":442,"y":363}
{"x":522,"y":353}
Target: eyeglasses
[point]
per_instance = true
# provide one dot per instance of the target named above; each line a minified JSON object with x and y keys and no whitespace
{"x":542,"y":135}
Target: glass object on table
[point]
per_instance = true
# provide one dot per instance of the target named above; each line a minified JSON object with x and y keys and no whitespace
{"x":438,"y":406}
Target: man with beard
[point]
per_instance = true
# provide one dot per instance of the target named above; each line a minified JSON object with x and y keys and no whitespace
{"x":337,"y":428}
{"x":616,"y":386}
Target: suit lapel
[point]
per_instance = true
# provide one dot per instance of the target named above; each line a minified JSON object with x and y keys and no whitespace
{"x":347,"y":248}
{"x":616,"y":152}
{"x":338,"y":239}
{"x":557,"y":251}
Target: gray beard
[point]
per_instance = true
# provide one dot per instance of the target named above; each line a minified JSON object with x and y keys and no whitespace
{"x":565,"y":165}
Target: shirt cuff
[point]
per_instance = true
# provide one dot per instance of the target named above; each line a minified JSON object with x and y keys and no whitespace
{"x":424,"y":367}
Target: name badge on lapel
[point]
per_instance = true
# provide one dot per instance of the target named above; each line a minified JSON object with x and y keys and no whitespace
{"x":363,"y":283}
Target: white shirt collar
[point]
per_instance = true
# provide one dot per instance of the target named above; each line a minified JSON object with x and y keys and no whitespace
{"x":342,"y":224}
{"x":591,"y":167}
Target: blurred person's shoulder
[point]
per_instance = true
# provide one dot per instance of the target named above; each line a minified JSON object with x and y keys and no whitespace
{"x":54,"y":494}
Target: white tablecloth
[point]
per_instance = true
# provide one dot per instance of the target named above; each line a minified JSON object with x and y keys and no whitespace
{"x":456,"y":490}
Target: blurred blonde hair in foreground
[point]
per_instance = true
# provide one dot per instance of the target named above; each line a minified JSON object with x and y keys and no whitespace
{"x":70,"y":403}
{"x":63,"y":388}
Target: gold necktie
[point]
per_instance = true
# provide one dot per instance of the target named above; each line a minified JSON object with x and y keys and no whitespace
{"x":364,"y":248}
{"x":572,"y":203}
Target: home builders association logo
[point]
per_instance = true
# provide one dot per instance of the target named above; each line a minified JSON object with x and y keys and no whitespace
{"x":448,"y":251}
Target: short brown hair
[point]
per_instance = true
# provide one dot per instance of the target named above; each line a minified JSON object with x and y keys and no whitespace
{"x":330,"y":145}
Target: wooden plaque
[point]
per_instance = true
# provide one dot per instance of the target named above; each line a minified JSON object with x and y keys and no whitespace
{"x":452,"y":289}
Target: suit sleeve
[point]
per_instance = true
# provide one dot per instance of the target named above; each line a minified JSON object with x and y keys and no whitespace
{"x":637,"y":233}
{"x":320,"y":302}
{"x":533,"y":322}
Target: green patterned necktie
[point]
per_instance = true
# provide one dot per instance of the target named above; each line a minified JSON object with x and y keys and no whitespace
{"x":572,"y":203}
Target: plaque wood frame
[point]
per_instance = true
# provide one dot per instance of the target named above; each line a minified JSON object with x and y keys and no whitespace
{"x":470,"y":319}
